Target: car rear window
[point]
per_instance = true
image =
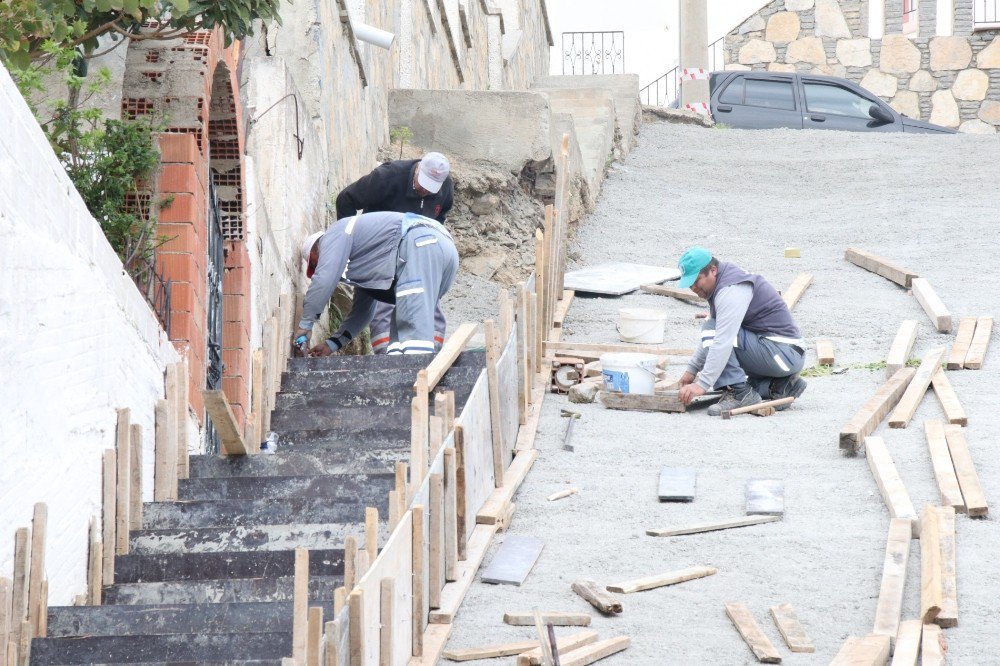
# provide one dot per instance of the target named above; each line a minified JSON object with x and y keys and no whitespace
{"x":733,"y":94}
{"x":824,"y":98}
{"x":770,"y":94}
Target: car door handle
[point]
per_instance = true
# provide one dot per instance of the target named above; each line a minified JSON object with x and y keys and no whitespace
{"x":725,"y":108}
{"x":818,"y":119}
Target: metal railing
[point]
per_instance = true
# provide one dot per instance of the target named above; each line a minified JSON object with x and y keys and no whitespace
{"x":593,"y":52}
{"x":153,"y":287}
{"x":665,"y":90}
{"x":986,"y":14}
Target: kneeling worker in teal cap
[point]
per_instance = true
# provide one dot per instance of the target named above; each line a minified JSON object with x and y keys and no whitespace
{"x":750,"y":347}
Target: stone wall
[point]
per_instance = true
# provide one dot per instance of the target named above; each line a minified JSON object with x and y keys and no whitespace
{"x":949,"y":80}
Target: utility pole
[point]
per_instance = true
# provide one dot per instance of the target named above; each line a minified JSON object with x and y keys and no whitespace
{"x":694,"y":49}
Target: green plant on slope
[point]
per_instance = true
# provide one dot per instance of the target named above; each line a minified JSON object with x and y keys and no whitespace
{"x":402,"y":134}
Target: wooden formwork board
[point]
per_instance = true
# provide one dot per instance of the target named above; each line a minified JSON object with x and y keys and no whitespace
{"x":478,"y":450}
{"x":508,"y":389}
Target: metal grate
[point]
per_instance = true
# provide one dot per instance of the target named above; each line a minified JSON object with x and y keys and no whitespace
{"x":593,"y":52}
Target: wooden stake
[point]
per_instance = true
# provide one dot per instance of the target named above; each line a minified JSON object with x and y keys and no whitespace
{"x":331,"y":642}
{"x":894,"y":494}
{"x":36,"y":601}
{"x":493,"y":379}
{"x":597,"y":597}
{"x":872,"y":649}
{"x":450,"y":350}
{"x":110,"y":520}
{"x":908,"y":404}
{"x":541,"y":275}
{"x":388,"y":592}
{"x":791,"y":630}
{"x":671,"y":578}
{"x":123,"y":476}
{"x":314,"y":643}
{"x":371,"y":533}
{"x":944,"y":470}
{"x":43,"y":616}
{"x":181,"y":401}
{"x":419,"y":548}
{"x":257,"y":399}
{"x":536,"y":338}
{"x":420,"y":433}
{"x":751,"y":633}
{"x":932,"y":304}
{"x":899,"y":352}
{"x":393,"y":510}
{"x":963,"y":340}
{"x":339,"y":599}
{"x":943,"y":389}
{"x":165,"y":454}
{"x":270,"y":370}
{"x":350,"y":562}
{"x":362,"y":565}
{"x":867,"y":419}
{"x":968,"y":481}
{"x":300,"y":606}
{"x":436,"y":436}
{"x":24,"y":644}
{"x":450,"y":518}
{"x":5,"y":617}
{"x":22,"y":573}
{"x":225,"y":423}
{"x":95,"y":558}
{"x":435,"y":517}
{"x":401,"y":482}
{"x":796,"y":289}
{"x":135,"y":477}
{"x":980,"y":342}
{"x":356,"y":605}
{"x":890,"y":597}
{"x":543,"y":641}
{"x":523,"y":372}
{"x":461,"y":535}
{"x":930,"y":566}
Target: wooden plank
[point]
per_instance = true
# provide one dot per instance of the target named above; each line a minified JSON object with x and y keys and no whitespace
{"x":523,"y":357}
{"x":660,"y":402}
{"x":165,"y":454}
{"x":453,"y":593}
{"x":257,"y":399}
{"x":355,"y":605}
{"x":435,"y":538}
{"x":968,"y":480}
{"x":713,"y":526}
{"x":450,"y":517}
{"x":889,"y":608}
{"x":490,"y":651}
{"x":880,"y":266}
{"x":270,"y":370}
{"x":907,"y":649}
{"x":894,"y":494}
{"x":765,"y":408}
{"x":866,"y":419}
{"x":948,"y":617}
{"x":420,"y":434}
{"x":495,"y":506}
{"x":980,"y":342}
{"x":387,"y":593}
{"x":371,"y":532}
{"x":436,"y":435}
{"x":95,"y":559}
{"x":791,"y":629}
{"x":596,"y":596}
{"x":677,"y":484}
{"x":36,"y":580}
{"x":751,"y":633}
{"x":765,"y":497}
{"x":932,"y":646}
{"x":350,"y":562}
{"x":563,"y":309}
{"x":868,"y":651}
{"x":595,"y":652}
{"x":5,"y":599}
{"x":548,"y":658}
{"x":493,"y":379}
{"x":902,"y":344}
{"x":300,"y":605}
{"x":795,"y":290}
{"x":565,"y":644}
{"x":43,"y":617}
{"x":661,"y":580}
{"x":181,"y":400}
{"x":541,"y":275}
{"x":685,"y":295}
{"x":123,"y":475}
{"x":417,"y":612}
{"x":513,"y":561}
{"x":461,"y":495}
{"x":224,"y":421}
{"x":944,"y":470}
{"x":24,"y":644}
{"x":135,"y":477}
{"x":824,"y":352}
{"x":914,"y":393}
{"x":932,"y":305}
{"x":21,"y":582}
{"x":314,"y":639}
{"x":592,"y":349}
{"x":930,"y":566}
{"x":561,"y":494}
{"x":963,"y":340}
{"x":444,"y":359}
{"x":109,"y":522}
{"x":556,"y":618}
{"x":537,"y":336}
{"x":943,"y":389}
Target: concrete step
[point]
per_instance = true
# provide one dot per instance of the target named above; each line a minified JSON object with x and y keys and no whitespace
{"x":382,"y":362}
{"x":236,"y":590}
{"x":624,"y":89}
{"x":316,"y":536}
{"x":190,"y":648}
{"x":139,"y":568}
{"x":250,"y":618}
{"x":246,"y":513}
{"x":356,"y":387}
{"x":331,"y":440}
{"x":341,"y":460}
{"x":346,"y":419}
{"x":366,"y":489}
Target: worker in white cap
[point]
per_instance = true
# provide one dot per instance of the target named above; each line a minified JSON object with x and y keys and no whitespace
{"x":421,"y":186}
{"x":402,"y":259}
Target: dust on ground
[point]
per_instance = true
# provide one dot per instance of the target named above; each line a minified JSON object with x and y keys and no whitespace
{"x":929,"y":203}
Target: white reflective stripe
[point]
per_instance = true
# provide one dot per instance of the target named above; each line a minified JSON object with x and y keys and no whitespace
{"x":429,"y":241}
{"x":350,"y":225}
{"x":707,"y":343}
{"x":417,"y":344}
{"x":781,"y":363}
{"x":419,"y":351}
{"x":394,"y":348}
{"x":410,"y":292}
{"x":707,"y":334}
{"x":788,"y":341}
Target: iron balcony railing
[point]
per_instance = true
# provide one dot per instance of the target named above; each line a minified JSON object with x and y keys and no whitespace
{"x":593,"y":52}
{"x":665,"y":90}
{"x":154,"y":288}
{"x":986,"y":14}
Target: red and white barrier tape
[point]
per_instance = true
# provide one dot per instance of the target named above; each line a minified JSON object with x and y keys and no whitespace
{"x":693,"y":74}
{"x":699,"y":107}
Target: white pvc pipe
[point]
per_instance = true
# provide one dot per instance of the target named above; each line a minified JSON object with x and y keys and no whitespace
{"x":372,"y":35}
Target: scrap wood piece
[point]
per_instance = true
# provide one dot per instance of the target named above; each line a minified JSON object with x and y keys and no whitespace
{"x":495,"y":506}
{"x":543,"y":641}
{"x":668,"y":401}
{"x":880,"y":266}
{"x":968,"y":480}
{"x":824,"y":352}
{"x":765,"y":408}
{"x":907,"y":647}
{"x":594,"y":652}
{"x":902,"y":344}
{"x":932,"y":304}
{"x":872,"y":650}
{"x":594,"y":350}
{"x":796,"y":289}
{"x":889,"y":608}
{"x":945,"y":392}
{"x":765,"y":497}
{"x":866,"y":420}
{"x":891,"y":487}
{"x":489,"y":651}
{"x":561,"y":494}
{"x":751,"y":633}
{"x":963,"y":340}
{"x":931,"y":592}
{"x":914,"y":393}
{"x":933,"y":646}
{"x":980,"y":342}
{"x":948,"y":617}
{"x":224,"y":421}
{"x":944,"y":469}
{"x":677,"y":484}
{"x":563,"y":645}
{"x":556,"y":618}
{"x":685,"y":295}
{"x":791,"y":629}
{"x":453,"y":593}
{"x":597,"y":597}
{"x":713,"y":526}
{"x":450,"y":350}
{"x":513,"y":561}
{"x":653,"y":582}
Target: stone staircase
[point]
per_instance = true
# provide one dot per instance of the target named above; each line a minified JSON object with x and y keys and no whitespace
{"x":209,"y":578}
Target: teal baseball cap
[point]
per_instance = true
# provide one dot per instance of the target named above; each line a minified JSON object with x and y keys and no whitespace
{"x":692,"y":262}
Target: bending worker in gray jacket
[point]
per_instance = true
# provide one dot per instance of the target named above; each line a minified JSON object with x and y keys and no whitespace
{"x":400,"y":258}
{"x":750,"y":346}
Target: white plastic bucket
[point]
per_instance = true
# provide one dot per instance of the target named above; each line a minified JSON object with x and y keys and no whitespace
{"x":627,"y":372}
{"x":642,"y":325}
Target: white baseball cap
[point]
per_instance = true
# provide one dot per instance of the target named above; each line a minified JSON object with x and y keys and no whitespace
{"x":432,"y":171}
{"x":307,"y":246}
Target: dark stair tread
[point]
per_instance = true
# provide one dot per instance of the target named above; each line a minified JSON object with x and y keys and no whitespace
{"x":314,"y":536}
{"x":359,"y":487}
{"x":290,"y":462}
{"x":348,"y":419}
{"x":219,"y":591}
{"x":329,"y":440}
{"x":242,"y":512}
{"x":382,"y":361}
{"x":136,"y":568}
{"x":177,"y":647}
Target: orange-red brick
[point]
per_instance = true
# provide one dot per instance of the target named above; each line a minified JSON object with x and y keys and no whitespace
{"x":179,"y":148}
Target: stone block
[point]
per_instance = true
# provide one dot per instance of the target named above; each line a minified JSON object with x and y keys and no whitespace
{"x":754,"y":24}
{"x":807,"y":49}
{"x":798,"y":5}
{"x":830,"y":70}
{"x":780,"y":67}
{"x":907,"y":102}
{"x":898,"y":55}
{"x":922,"y":81}
{"x":783,"y":27}
{"x":971,"y":85}
{"x":950,"y":53}
{"x":976,"y":126}
{"x":830,"y":21}
{"x":944,"y":109}
{"x":883,"y":85}
{"x":990,"y":112}
{"x":736,"y":67}
{"x":757,"y":51}
{"x":989,"y":58}
{"x":855,"y":52}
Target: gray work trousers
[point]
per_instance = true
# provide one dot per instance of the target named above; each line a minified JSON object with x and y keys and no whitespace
{"x":755,"y":359}
{"x":382,"y":322}
{"x":428,"y":262}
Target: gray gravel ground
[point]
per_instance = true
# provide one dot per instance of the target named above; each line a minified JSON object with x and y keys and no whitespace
{"x":930,"y":203}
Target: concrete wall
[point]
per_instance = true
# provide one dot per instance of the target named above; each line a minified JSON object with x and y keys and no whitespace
{"x":949,"y":80}
{"x":77,"y":341}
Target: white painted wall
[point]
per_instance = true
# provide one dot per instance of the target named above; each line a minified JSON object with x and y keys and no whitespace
{"x":77,"y":341}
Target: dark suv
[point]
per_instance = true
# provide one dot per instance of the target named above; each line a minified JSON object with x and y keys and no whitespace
{"x":768,"y":100}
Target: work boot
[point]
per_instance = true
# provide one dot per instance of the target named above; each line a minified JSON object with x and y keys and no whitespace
{"x":734,"y":397}
{"x":785,"y":387}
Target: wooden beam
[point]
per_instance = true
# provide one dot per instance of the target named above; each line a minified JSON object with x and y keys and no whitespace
{"x":181,"y":399}
{"x":387,"y":593}
{"x":943,"y":389}
{"x":436,"y":435}
{"x":594,"y":652}
{"x":866,"y":420}
{"x":671,"y":578}
{"x":417,"y":614}
{"x":490,"y":651}
{"x":713,"y":526}
{"x":453,"y":593}
{"x":371,"y":532}
{"x":980,"y":342}
{"x":968,"y":480}
{"x":932,"y":646}
{"x":135,"y":477}
{"x":669,"y":402}
{"x":22,"y":580}
{"x":941,"y":462}
{"x":224,"y":421}
{"x":685,"y":295}
{"x":496,"y":423}
{"x":462,"y":537}
{"x":123,"y":475}
{"x":578,"y":348}
{"x":556,"y":618}
{"x":314,"y":639}
{"x":350,"y":562}
{"x":435,"y":537}
{"x":36,"y":600}
{"x":563,"y":309}
{"x":890,"y":485}
{"x":565,"y":644}
{"x":963,"y":340}
{"x":889,"y":608}
{"x":880,"y":266}
{"x":495,"y":506}
{"x":450,"y":350}
{"x":450,"y":517}
{"x":871,"y":650}
{"x":300,"y":606}
{"x":548,"y":658}
{"x":109,"y":522}
{"x":599,"y":598}
{"x":902,"y":344}
{"x":95,"y":559}
{"x":24,"y":644}
{"x":356,"y":610}
{"x":751,"y":633}
{"x":165,"y":454}
{"x":908,"y":404}
{"x":268,"y":337}
{"x":420,"y":432}
{"x":796,"y":289}
{"x":791,"y":629}
{"x":907,"y":648}
{"x":257,"y":399}
{"x":538,"y":337}
{"x":948,"y":617}
{"x":5,"y":599}
{"x":930,"y":566}
{"x":824,"y":352}
{"x":932,"y":305}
